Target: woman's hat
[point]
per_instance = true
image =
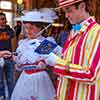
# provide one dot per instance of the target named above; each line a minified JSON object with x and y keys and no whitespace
{"x":49,"y":13}
{"x":38,"y":16}
{"x":63,"y":3}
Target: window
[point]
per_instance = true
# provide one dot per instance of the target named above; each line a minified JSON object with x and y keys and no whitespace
{"x":7,"y":8}
{"x":5,"y":5}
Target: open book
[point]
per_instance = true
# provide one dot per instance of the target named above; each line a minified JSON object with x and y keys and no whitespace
{"x":46,"y":47}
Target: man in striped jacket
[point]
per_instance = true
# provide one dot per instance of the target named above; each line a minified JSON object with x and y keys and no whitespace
{"x":79,"y":68}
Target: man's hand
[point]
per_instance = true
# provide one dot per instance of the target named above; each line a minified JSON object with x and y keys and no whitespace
{"x":50,"y":59}
{"x":5,"y":54}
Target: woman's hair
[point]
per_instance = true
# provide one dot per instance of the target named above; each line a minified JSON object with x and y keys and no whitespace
{"x":40,"y":25}
{"x":4,"y":15}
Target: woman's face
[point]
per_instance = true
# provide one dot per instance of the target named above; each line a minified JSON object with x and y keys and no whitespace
{"x":31,"y":30}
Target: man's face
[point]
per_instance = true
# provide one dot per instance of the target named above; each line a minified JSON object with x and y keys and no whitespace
{"x":2,"y":21}
{"x":73,"y":14}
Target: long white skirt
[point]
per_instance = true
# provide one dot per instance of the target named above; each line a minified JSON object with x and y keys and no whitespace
{"x":36,"y":86}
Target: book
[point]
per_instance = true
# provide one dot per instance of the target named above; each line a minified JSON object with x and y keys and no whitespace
{"x":46,"y":47}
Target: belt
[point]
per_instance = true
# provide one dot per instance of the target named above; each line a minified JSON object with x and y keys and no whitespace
{"x":33,"y":64}
{"x":34,"y":71}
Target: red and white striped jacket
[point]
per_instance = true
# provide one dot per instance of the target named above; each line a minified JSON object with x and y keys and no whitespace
{"x":79,"y":69}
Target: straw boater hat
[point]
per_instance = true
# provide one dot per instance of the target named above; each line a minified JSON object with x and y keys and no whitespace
{"x":63,"y":3}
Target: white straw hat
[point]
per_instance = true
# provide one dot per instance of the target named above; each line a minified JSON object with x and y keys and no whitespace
{"x":38,"y":16}
{"x":49,"y":13}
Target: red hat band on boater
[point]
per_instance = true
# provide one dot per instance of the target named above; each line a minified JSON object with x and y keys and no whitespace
{"x":63,"y":3}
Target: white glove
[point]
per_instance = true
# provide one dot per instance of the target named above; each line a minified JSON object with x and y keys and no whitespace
{"x":50,"y":59}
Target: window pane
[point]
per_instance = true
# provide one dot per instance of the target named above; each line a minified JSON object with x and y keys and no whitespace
{"x":5,"y":5}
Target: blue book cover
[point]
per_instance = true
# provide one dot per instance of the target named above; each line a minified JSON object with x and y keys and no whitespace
{"x":46,"y":47}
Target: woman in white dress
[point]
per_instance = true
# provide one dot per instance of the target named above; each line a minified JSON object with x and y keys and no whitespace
{"x":34,"y":82}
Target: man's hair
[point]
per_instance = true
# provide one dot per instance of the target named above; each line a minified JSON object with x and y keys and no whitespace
{"x":87,"y":3}
{"x":2,"y":14}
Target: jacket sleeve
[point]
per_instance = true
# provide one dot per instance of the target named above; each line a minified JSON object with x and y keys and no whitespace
{"x":89,"y":73}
